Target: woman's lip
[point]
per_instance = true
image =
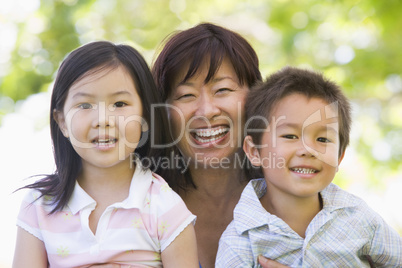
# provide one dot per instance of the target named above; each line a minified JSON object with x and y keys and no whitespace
{"x":208,"y":141}
{"x":206,"y":133}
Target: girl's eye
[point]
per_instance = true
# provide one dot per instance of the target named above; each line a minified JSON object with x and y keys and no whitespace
{"x":119,"y":104}
{"x":289,"y":136}
{"x":85,"y":106}
{"x":322,"y":139}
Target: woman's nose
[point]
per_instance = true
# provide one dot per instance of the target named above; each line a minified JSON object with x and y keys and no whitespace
{"x":206,"y":107}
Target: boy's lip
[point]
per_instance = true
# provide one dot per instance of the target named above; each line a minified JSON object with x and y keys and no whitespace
{"x":303,"y":169}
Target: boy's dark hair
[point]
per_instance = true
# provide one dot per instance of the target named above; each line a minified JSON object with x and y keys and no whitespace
{"x":86,"y":60}
{"x":289,"y":80}
{"x":188,"y":50}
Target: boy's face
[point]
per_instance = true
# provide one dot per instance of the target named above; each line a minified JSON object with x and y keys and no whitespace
{"x":299,"y":150}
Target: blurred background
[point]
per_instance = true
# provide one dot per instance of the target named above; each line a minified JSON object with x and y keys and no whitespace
{"x":355,"y":43}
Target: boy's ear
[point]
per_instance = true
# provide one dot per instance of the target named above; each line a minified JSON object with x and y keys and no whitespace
{"x":340,"y":160}
{"x":60,"y":120}
{"x":251,"y":151}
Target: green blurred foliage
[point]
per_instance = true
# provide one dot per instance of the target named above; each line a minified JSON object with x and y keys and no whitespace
{"x":356,"y":43}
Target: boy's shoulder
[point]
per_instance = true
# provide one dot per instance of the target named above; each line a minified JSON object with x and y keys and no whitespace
{"x":338,"y":201}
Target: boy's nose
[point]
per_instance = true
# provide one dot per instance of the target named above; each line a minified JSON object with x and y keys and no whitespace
{"x":306,"y":150}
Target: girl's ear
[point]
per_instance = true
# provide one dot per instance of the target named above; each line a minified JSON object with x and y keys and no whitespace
{"x":251,"y":151}
{"x":144,"y":125}
{"x":60,"y":120}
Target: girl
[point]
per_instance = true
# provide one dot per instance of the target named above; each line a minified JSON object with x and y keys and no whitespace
{"x":101,"y":205}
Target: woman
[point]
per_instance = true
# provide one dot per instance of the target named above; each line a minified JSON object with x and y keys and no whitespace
{"x":204,"y":74}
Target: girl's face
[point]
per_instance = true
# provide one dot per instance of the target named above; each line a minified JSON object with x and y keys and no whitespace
{"x":102,"y":118}
{"x":207,"y":119}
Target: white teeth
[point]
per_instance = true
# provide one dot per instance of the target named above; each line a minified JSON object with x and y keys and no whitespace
{"x":105,"y":141}
{"x":304,"y":170}
{"x":210,"y":132}
{"x":208,"y":135}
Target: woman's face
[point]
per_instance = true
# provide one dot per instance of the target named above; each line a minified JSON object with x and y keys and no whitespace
{"x":207,"y":119}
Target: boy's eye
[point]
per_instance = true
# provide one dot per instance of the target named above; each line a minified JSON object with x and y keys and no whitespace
{"x":85,"y":106}
{"x":289,"y":136}
{"x":322,"y":139}
{"x":119,"y":104}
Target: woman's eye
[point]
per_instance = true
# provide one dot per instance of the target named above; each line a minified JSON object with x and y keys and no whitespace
{"x":289,"y":136}
{"x":119,"y":104}
{"x":85,"y":106}
{"x":222,"y":90}
{"x":185,"y":96}
{"x":322,"y":139}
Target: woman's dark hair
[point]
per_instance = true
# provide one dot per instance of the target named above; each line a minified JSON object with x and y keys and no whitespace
{"x":85,"y":60}
{"x":188,"y":50}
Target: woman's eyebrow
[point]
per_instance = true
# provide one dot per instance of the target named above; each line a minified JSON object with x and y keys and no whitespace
{"x":218,"y":79}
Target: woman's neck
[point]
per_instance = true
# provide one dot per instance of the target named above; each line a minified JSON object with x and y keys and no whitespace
{"x":213,"y":201}
{"x":217,"y":183}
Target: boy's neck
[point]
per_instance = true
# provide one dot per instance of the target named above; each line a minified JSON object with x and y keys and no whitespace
{"x":296,"y":212}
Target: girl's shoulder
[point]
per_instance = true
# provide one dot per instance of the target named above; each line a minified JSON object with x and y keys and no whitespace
{"x":159,"y":183}
{"x":36,"y":198}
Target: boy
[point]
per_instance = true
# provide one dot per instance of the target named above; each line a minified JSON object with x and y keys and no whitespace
{"x":298,"y":129}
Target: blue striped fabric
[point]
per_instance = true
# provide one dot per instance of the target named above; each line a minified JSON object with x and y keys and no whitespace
{"x":342,"y":234}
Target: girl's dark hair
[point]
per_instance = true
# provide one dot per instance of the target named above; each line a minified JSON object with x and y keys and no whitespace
{"x":85,"y":60}
{"x":290,"y":80}
{"x":189,"y":49}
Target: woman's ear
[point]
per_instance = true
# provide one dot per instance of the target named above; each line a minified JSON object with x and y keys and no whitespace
{"x":251,"y":151}
{"x":60,"y":120}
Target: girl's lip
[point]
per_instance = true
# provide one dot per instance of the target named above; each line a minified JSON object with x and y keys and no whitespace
{"x":104,"y":143}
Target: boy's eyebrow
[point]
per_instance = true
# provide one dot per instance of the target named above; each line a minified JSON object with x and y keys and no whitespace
{"x":290,"y":125}
{"x":327,"y":127}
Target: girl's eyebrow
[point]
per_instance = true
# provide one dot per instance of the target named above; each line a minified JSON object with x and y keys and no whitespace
{"x":87,"y":95}
{"x":121,"y":92}
{"x":82,"y":94}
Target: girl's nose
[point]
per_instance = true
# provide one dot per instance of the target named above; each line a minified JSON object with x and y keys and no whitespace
{"x":103,"y":117}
